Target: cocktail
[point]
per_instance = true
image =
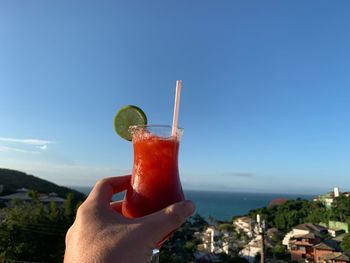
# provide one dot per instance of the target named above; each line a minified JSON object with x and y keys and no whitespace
{"x":155,"y":182}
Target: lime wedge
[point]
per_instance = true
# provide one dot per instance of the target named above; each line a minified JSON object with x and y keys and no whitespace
{"x":127,"y":116}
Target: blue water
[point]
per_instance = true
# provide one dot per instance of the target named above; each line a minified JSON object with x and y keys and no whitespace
{"x":224,"y":205}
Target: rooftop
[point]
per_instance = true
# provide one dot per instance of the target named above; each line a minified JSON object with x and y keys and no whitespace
{"x":23,"y":194}
{"x":310,"y":227}
{"x":336,"y":256}
{"x":327,"y":245}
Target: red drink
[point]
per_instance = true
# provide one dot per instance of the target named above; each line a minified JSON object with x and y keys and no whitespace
{"x":155,"y":181}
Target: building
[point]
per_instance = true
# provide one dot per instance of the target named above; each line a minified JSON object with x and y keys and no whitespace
{"x":301,"y":240}
{"x":51,"y":197}
{"x":303,"y":229}
{"x":335,"y":228}
{"x":302,"y":246}
{"x":251,"y":250}
{"x":22,"y":194}
{"x":245,"y":224}
{"x":211,"y":240}
{"x":324,"y":248}
{"x":328,"y":198}
{"x":305,"y":243}
{"x":335,"y":257}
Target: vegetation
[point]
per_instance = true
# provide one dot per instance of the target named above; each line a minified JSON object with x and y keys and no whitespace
{"x":13,"y":180}
{"x":294,"y":212}
{"x":345,"y":244}
{"x":34,"y":232}
{"x":182,"y":245}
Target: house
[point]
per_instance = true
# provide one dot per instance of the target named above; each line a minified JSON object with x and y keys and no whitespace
{"x":301,"y":240}
{"x":251,"y":250}
{"x":335,"y":257}
{"x":335,"y":228}
{"x":51,"y":197}
{"x":302,"y":246}
{"x":303,"y":229}
{"x":328,"y":198}
{"x":22,"y":194}
{"x":245,"y":224}
{"x":211,"y":239}
{"x":324,"y":248}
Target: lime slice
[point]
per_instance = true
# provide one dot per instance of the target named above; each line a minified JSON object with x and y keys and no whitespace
{"x":126,"y":117}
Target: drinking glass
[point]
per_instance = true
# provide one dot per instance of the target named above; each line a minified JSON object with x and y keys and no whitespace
{"x":155,"y":181}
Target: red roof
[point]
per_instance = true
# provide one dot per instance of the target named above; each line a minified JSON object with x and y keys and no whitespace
{"x":277,"y":201}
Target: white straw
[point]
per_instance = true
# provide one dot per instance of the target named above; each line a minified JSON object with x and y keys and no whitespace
{"x":176,"y":107}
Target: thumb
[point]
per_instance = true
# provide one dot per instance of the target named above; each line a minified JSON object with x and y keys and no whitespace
{"x":163,"y":222}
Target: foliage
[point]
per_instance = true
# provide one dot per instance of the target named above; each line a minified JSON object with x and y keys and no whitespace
{"x":199,"y":222}
{"x":278,"y":251}
{"x":34,"y":232}
{"x":345,"y":244}
{"x":182,"y":245}
{"x":341,"y":209}
{"x":232,"y":259}
{"x":13,"y":180}
{"x":226,"y":227}
{"x":294,"y":212}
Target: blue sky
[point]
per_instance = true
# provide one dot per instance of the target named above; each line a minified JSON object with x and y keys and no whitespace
{"x":265,"y":99}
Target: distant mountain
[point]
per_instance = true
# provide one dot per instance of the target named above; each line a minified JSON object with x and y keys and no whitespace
{"x":13,"y":180}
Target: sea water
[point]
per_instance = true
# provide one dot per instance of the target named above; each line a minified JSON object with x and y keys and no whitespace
{"x":223,"y":205}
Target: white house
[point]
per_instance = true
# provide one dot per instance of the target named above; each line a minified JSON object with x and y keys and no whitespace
{"x":251,"y":250}
{"x":246,"y":224}
{"x":211,"y":238}
{"x":302,"y":229}
{"x":22,"y":194}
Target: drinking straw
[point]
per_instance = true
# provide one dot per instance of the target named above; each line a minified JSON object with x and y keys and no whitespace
{"x":176,"y":107}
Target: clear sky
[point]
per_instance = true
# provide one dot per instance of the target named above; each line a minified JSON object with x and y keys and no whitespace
{"x":265,"y":100}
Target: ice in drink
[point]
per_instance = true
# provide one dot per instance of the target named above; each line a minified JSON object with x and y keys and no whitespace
{"x":155,"y":181}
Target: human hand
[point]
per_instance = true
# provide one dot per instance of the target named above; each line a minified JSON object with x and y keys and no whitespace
{"x":100,"y":233}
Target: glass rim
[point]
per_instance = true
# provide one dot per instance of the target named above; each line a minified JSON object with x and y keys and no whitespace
{"x":154,"y":126}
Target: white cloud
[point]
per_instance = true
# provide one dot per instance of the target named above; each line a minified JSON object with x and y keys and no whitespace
{"x":23,"y":145}
{"x":26,"y":141}
{"x":44,"y":147}
{"x":13,"y":149}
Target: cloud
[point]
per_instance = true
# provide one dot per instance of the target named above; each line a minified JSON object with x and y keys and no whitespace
{"x":23,"y":145}
{"x":240,"y":174}
{"x":13,"y":149}
{"x":37,"y":142}
{"x":44,"y":147}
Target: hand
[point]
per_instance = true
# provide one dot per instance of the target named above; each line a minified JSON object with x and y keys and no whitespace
{"x":101,"y":234}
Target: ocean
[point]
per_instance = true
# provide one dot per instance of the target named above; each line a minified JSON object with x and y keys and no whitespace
{"x":223,"y":205}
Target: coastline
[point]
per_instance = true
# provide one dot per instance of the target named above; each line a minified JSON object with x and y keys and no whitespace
{"x":223,"y":205}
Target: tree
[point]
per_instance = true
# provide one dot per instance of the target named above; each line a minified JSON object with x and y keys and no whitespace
{"x":33,"y":194}
{"x":53,"y":212}
{"x":226,"y":227}
{"x":33,"y":232}
{"x":345,"y":244}
{"x":28,"y":235}
{"x":68,"y":208}
{"x":198,"y":222}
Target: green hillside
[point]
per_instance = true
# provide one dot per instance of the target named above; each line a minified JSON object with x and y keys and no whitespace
{"x":13,"y":180}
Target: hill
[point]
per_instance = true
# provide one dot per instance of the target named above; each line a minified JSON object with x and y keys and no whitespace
{"x":13,"y":180}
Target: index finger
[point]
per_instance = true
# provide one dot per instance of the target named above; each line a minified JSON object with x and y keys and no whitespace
{"x":105,"y":188}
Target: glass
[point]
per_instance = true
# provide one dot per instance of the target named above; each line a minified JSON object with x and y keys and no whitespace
{"x":155,"y":181}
